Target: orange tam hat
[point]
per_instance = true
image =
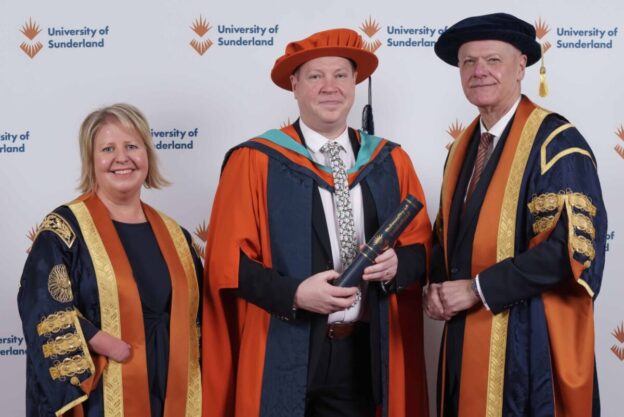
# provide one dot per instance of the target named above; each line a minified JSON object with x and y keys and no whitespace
{"x":344,"y":43}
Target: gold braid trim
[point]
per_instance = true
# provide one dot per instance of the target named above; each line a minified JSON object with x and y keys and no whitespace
{"x":62,"y":345}
{"x":70,"y":405}
{"x":584,"y":246}
{"x":582,"y":202}
{"x":550,"y":201}
{"x":584,"y":224}
{"x":545,"y":203}
{"x":58,"y":225}
{"x":55,"y":322}
{"x":543,"y":223}
{"x":76,"y":365}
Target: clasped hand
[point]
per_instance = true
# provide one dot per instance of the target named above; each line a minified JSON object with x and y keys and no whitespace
{"x":442,"y":301}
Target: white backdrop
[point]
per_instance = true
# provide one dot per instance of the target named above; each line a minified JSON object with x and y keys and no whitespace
{"x":61,"y":59}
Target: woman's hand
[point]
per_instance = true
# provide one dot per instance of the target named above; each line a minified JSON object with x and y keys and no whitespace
{"x":110,"y":346}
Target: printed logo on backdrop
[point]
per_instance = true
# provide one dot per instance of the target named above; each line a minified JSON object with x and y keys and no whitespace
{"x":541,"y":30}
{"x":201,"y":232}
{"x":618,"y":348}
{"x":620,"y":134}
{"x":370,"y":28}
{"x":12,"y":345}
{"x":454,"y":130}
{"x":31,"y":30}
{"x":412,"y":35}
{"x":14,"y":142}
{"x":201,"y":27}
{"x":610,"y":239}
{"x":232,"y":35}
{"x":174,"y":139}
{"x":62,"y":37}
{"x":587,"y":36}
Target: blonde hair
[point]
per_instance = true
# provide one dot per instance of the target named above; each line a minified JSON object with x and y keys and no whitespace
{"x":130,"y":117}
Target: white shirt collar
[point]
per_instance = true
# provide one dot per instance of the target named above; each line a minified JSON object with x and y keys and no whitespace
{"x":499,"y":127}
{"x":314,"y":140}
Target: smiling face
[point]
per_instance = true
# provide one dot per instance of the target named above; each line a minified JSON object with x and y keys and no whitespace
{"x":120,"y":161}
{"x":325,"y":89}
{"x":491,"y":72}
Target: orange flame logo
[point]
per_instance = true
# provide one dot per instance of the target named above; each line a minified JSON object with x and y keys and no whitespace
{"x":619,"y":149}
{"x":370,"y":28}
{"x":454,"y":130}
{"x":541,"y":30}
{"x":200,"y":26}
{"x":201,"y":232}
{"x":31,"y":29}
{"x":31,"y":235}
{"x":618,"y":333}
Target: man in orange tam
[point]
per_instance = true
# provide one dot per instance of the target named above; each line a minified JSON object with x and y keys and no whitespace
{"x":291,"y":209}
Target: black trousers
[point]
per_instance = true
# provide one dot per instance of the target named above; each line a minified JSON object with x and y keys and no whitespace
{"x":341,"y":383}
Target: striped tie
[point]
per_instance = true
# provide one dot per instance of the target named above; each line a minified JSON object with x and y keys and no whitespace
{"x":483,"y":153}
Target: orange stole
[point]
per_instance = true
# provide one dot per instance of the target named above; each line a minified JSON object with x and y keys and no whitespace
{"x":482,"y":396}
{"x":134,"y":384}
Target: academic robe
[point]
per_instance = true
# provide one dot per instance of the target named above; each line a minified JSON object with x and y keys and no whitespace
{"x":78,"y":280}
{"x":534,"y":230}
{"x":266,"y":213}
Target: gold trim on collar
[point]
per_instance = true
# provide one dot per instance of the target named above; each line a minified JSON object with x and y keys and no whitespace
{"x":109,"y":305}
{"x":546,"y":165}
{"x":59,"y":226}
{"x":194,"y":392}
{"x":505,"y":249}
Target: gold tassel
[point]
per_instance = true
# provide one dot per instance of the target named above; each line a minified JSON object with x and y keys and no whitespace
{"x":543,"y":87}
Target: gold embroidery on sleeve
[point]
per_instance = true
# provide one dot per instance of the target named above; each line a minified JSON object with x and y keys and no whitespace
{"x":55,"y":322}
{"x":584,"y":224}
{"x":543,"y":223}
{"x":68,"y":367}
{"x":545,"y":203}
{"x":59,"y":285}
{"x":584,"y":246}
{"x":62,"y":345}
{"x":58,"y":225}
{"x":582,"y":202}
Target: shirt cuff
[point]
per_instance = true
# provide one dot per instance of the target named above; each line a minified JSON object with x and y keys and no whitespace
{"x":481,"y":293}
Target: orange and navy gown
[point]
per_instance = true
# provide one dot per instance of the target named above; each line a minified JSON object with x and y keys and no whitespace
{"x":534,"y":230}
{"x":266,"y":230}
{"x":138,"y":282}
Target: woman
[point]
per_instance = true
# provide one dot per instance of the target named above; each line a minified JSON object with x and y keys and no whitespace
{"x":109,"y":294}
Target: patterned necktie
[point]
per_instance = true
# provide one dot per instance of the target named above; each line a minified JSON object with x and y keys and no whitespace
{"x":483,"y":153}
{"x":344,"y":211}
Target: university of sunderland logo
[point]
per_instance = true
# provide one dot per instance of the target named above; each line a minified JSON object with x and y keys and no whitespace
{"x":454,"y":130}
{"x":619,"y":148}
{"x":201,"y":232}
{"x":31,"y":47}
{"x":618,"y":348}
{"x":541,"y":30}
{"x":370,"y":28}
{"x":201,"y":27}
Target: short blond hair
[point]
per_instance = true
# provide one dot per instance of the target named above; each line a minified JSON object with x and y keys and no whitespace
{"x":130,"y":117}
